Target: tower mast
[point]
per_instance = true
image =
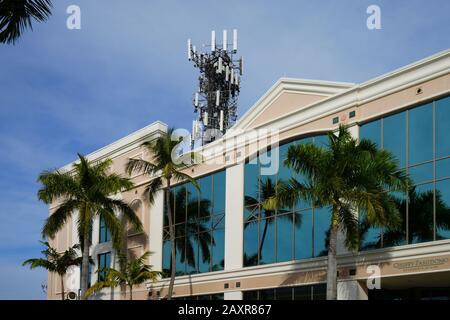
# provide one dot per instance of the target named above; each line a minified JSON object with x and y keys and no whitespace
{"x":215,"y":100}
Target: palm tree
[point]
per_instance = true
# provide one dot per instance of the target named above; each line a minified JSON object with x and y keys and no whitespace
{"x":268,"y":212}
{"x":165,"y":169}
{"x":87,"y":190}
{"x":16,"y":15}
{"x":346,"y":176}
{"x":134,"y":272}
{"x":58,"y":263}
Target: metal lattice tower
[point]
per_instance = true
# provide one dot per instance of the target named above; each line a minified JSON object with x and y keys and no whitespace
{"x":215,"y":101}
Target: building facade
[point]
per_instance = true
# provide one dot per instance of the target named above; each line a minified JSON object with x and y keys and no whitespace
{"x":229,"y":247}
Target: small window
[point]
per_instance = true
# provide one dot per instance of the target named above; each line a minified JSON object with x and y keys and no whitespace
{"x":104,"y":263}
{"x":104,"y":234}
{"x":352,"y":114}
{"x":335,"y":120}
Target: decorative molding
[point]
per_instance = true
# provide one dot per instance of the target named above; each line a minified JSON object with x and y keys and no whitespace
{"x":434,"y":248}
{"x":124,"y":144}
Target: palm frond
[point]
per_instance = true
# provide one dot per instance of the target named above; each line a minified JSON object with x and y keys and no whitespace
{"x":153,"y":188}
{"x":58,"y":219}
{"x":16,"y":17}
{"x":57,"y":185}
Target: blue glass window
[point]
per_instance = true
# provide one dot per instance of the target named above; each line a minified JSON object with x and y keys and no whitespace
{"x":199,"y":226}
{"x":372,"y":131}
{"x":442,"y":127}
{"x":443,"y":209}
{"x":421,"y":173}
{"x":104,"y":234}
{"x":322,"y":221}
{"x":303,"y":235}
{"x":420,"y":134}
{"x":267,"y":240}
{"x":394,"y":136}
{"x":251,"y":244}
{"x":104,"y":263}
{"x":285,"y":237}
{"x":423,"y":212}
{"x":420,"y":214}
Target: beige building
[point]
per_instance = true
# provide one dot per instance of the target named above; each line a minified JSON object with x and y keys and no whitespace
{"x":238,"y":251}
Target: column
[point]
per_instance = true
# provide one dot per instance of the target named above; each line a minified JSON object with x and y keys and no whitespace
{"x":234,"y":221}
{"x":351,"y":290}
{"x":155,"y":236}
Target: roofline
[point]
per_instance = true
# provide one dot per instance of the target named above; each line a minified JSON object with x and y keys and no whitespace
{"x":306,"y":86}
{"x":124,"y":144}
{"x":413,"y":74}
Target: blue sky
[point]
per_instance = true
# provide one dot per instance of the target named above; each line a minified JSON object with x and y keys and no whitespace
{"x":67,"y":91}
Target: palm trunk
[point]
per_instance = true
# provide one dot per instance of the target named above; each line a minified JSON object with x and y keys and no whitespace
{"x":332,"y":265}
{"x":172,"y":242}
{"x":263,"y":238}
{"x":85,"y":267}
{"x":131,"y":292}
{"x":62,"y":286}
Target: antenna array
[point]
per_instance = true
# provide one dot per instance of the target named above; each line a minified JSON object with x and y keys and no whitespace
{"x":215,"y":100}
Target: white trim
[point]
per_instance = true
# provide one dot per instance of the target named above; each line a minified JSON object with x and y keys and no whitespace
{"x":416,"y":251}
{"x":124,"y":144}
{"x":304,"y":86}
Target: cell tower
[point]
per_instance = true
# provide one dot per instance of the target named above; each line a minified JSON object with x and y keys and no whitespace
{"x":215,"y":101}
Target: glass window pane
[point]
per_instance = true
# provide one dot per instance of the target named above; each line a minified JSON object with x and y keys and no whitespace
{"x":284,"y":173}
{"x":322,"y":220}
{"x":251,"y":213}
{"x":268,"y":294}
{"x":370,"y":237}
{"x":219,"y":192}
{"x":251,"y":244}
{"x":205,"y":185}
{"x":166,"y":265}
{"x":204,"y":221}
{"x":218,"y":250}
{"x":192,"y":254}
{"x":180,"y":203}
{"x":443,"y":168}
{"x":285,"y":237}
{"x":251,"y":180}
{"x":218,"y":221}
{"x":267,"y":164}
{"x":192,"y":203}
{"x":420,"y":134}
{"x":422,"y":173}
{"x":250,"y":295}
{"x":319,"y":292}
{"x":303,"y":293}
{"x":283,"y":293}
{"x":267,"y":240}
{"x":420,"y":214}
{"x":303,"y":234}
{"x":394,"y":136}
{"x":180,"y":229}
{"x":397,"y":236}
{"x":205,"y":253}
{"x":180,"y":256}
{"x":443,"y":210}
{"x":321,"y":141}
{"x":442,"y":126}
{"x":371,"y":131}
